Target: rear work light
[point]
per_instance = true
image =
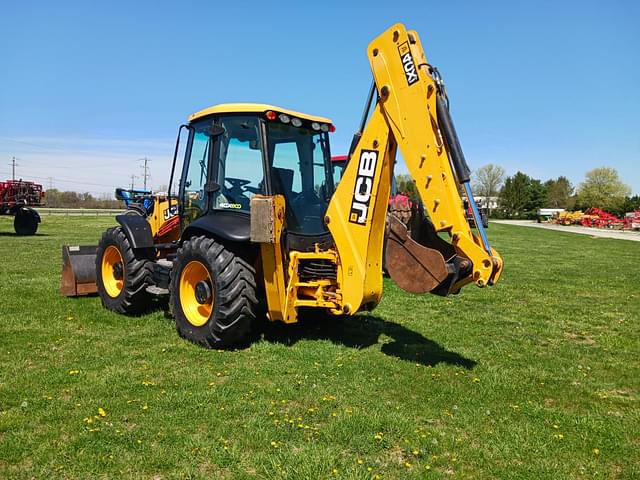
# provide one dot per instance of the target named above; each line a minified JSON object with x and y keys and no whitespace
{"x":271,"y":115}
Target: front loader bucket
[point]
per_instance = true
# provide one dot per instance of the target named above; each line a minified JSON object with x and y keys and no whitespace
{"x":78,"y":270}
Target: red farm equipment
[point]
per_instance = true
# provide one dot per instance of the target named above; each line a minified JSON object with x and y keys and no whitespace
{"x":598,"y":218}
{"x":16,"y":198}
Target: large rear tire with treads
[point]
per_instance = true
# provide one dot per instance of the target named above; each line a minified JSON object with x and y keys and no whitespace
{"x":213,"y":294}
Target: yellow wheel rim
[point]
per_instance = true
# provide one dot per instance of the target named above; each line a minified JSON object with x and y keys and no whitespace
{"x":196,"y":312}
{"x":112,"y":271}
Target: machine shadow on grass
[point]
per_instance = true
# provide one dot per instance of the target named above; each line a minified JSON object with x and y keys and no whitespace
{"x":363,"y":331}
{"x":359,"y":332}
{"x":13,"y":234}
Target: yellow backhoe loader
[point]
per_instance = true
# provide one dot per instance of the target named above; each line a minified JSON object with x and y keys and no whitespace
{"x":258,"y":223}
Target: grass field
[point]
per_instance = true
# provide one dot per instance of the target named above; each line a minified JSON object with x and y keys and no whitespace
{"x":535,"y":378}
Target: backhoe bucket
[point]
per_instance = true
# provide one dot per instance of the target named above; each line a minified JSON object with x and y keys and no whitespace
{"x":78,"y":270}
{"x":413,"y":267}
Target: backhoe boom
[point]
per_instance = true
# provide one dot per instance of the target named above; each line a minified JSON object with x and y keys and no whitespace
{"x":406,"y":115}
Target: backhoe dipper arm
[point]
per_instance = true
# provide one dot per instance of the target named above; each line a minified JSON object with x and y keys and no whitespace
{"x":406,"y":115}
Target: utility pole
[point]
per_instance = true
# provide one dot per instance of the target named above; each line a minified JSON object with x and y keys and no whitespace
{"x":132,"y":179}
{"x":13,"y":168}
{"x":50,"y":183}
{"x":145,"y":173}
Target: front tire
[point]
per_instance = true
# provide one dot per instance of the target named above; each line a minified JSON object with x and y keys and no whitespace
{"x":25,"y":222}
{"x":122,"y":274}
{"x":213,"y":294}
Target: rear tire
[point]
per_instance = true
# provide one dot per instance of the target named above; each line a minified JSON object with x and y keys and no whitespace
{"x":25,"y":222}
{"x":213,"y":294}
{"x":122,"y":274}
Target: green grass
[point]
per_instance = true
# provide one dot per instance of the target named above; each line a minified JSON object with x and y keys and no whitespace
{"x":535,"y":378}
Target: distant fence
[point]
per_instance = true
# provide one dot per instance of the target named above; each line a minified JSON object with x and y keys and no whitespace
{"x":79,"y":212}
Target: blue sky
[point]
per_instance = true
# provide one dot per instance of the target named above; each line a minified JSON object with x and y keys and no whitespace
{"x":89,"y":88}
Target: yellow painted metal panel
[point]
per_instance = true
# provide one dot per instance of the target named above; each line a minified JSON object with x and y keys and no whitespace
{"x":226,"y":108}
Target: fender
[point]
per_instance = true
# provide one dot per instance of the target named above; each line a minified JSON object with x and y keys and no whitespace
{"x":137,"y":230}
{"x":230,"y":226}
{"x":29,"y":211}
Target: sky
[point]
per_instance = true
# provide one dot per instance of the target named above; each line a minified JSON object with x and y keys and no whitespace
{"x":87,"y":89}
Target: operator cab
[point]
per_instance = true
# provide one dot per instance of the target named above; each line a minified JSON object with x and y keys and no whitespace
{"x":236,"y":151}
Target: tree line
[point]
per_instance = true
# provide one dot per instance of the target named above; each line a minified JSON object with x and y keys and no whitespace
{"x":55,"y":198}
{"x":520,"y":195}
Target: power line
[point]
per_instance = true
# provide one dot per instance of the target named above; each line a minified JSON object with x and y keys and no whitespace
{"x":13,"y":168}
{"x":146,"y":173}
{"x":66,"y":180}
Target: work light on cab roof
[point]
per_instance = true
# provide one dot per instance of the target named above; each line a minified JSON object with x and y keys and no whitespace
{"x":297,"y":122}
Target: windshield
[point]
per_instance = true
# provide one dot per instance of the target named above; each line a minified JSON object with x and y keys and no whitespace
{"x":237,"y":167}
{"x":301,"y":171}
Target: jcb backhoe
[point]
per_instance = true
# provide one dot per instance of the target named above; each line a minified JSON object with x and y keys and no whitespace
{"x":259,"y":224}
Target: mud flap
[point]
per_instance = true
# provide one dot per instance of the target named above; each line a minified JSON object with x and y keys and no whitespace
{"x":413,"y":267}
{"x":78,"y":270}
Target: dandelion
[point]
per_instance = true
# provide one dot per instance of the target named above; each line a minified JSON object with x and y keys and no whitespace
{"x":274,"y":444}
{"x":596,"y":451}
{"x":74,"y":372}
{"x":476,"y":380}
{"x":145,"y":407}
{"x":407,"y":465}
{"x":335,"y":471}
{"x":415,"y":452}
{"x":359,"y":461}
{"x":102,"y":412}
{"x":148,"y":383}
{"x":558,"y":436}
{"x":378,"y":436}
{"x":556,"y":426}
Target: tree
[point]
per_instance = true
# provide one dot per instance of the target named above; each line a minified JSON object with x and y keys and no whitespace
{"x":515,"y":194}
{"x":602,"y":188}
{"x":559,"y":193}
{"x":405,"y":184}
{"x":630,"y":204}
{"x":488,"y":180}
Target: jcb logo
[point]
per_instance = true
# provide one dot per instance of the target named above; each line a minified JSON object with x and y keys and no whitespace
{"x":170,"y":212}
{"x":408,"y":64}
{"x":363,"y":187}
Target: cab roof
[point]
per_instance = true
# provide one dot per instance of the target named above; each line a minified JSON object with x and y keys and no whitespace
{"x":253,"y":108}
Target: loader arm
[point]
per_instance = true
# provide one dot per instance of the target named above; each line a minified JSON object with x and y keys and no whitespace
{"x":406,"y":115}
